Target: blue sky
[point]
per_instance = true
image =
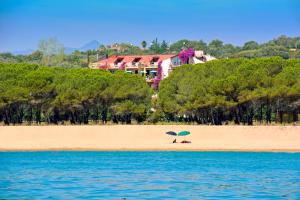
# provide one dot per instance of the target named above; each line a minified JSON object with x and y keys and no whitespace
{"x":23,"y":23}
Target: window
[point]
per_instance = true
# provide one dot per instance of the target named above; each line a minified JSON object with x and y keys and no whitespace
{"x":118,"y":61}
{"x":176,"y":61}
{"x":136,"y":60}
{"x":154,"y":60}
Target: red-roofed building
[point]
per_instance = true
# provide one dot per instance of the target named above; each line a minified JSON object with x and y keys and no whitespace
{"x":139,"y":64}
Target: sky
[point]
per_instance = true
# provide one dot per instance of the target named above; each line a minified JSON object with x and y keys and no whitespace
{"x":23,"y":23}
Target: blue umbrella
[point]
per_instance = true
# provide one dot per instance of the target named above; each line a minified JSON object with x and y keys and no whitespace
{"x":171,"y":133}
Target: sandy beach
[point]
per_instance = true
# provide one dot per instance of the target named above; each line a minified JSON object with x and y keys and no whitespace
{"x":150,"y":137}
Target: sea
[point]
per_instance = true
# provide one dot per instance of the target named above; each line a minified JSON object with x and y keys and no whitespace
{"x":149,"y":175}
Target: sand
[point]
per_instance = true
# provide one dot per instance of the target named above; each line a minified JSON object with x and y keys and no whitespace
{"x":150,"y":137}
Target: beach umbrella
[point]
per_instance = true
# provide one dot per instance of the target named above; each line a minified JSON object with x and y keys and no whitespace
{"x":183,"y":133}
{"x":171,"y":133}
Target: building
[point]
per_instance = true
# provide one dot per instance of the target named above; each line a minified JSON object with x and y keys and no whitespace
{"x":115,"y":47}
{"x":200,"y":57}
{"x":147,"y":65}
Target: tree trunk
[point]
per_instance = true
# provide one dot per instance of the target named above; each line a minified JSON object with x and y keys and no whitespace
{"x":212,"y":116}
{"x":6,"y":117}
{"x":236,"y":117}
{"x":268,"y":112}
{"x":261,"y":114}
{"x":281,"y":117}
{"x":295,"y":116}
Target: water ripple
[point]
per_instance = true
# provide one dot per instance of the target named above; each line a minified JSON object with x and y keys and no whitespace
{"x":149,"y":175}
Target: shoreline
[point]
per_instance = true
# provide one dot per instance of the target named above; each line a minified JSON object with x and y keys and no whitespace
{"x":154,"y":150}
{"x":150,"y":138}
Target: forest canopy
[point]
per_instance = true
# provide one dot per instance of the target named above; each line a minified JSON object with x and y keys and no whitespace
{"x":225,"y":91}
{"x":32,"y":93}
{"x":232,"y":90}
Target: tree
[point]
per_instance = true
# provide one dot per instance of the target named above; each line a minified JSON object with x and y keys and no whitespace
{"x":35,"y":57}
{"x":184,"y":44}
{"x":215,"y":44}
{"x":251,"y":45}
{"x":215,"y":48}
{"x":155,"y":46}
{"x":164,"y":46}
{"x":144,"y":44}
{"x":52,"y":50}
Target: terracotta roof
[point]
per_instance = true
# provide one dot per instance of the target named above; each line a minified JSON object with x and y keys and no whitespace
{"x":128,"y":59}
{"x":144,"y":58}
{"x":106,"y":61}
{"x":164,"y":57}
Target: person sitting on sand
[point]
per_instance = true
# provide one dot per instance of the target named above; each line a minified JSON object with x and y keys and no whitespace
{"x":175,"y":141}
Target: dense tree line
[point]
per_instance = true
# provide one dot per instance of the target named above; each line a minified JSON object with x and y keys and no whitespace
{"x":33,"y":94}
{"x":241,"y":91}
{"x":280,"y":46}
{"x":50,"y":51}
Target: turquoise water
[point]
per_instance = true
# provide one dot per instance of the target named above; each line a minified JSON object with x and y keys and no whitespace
{"x":149,"y":175}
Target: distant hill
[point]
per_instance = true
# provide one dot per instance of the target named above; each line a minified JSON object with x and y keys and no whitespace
{"x":94,"y":44}
{"x":90,"y":46}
